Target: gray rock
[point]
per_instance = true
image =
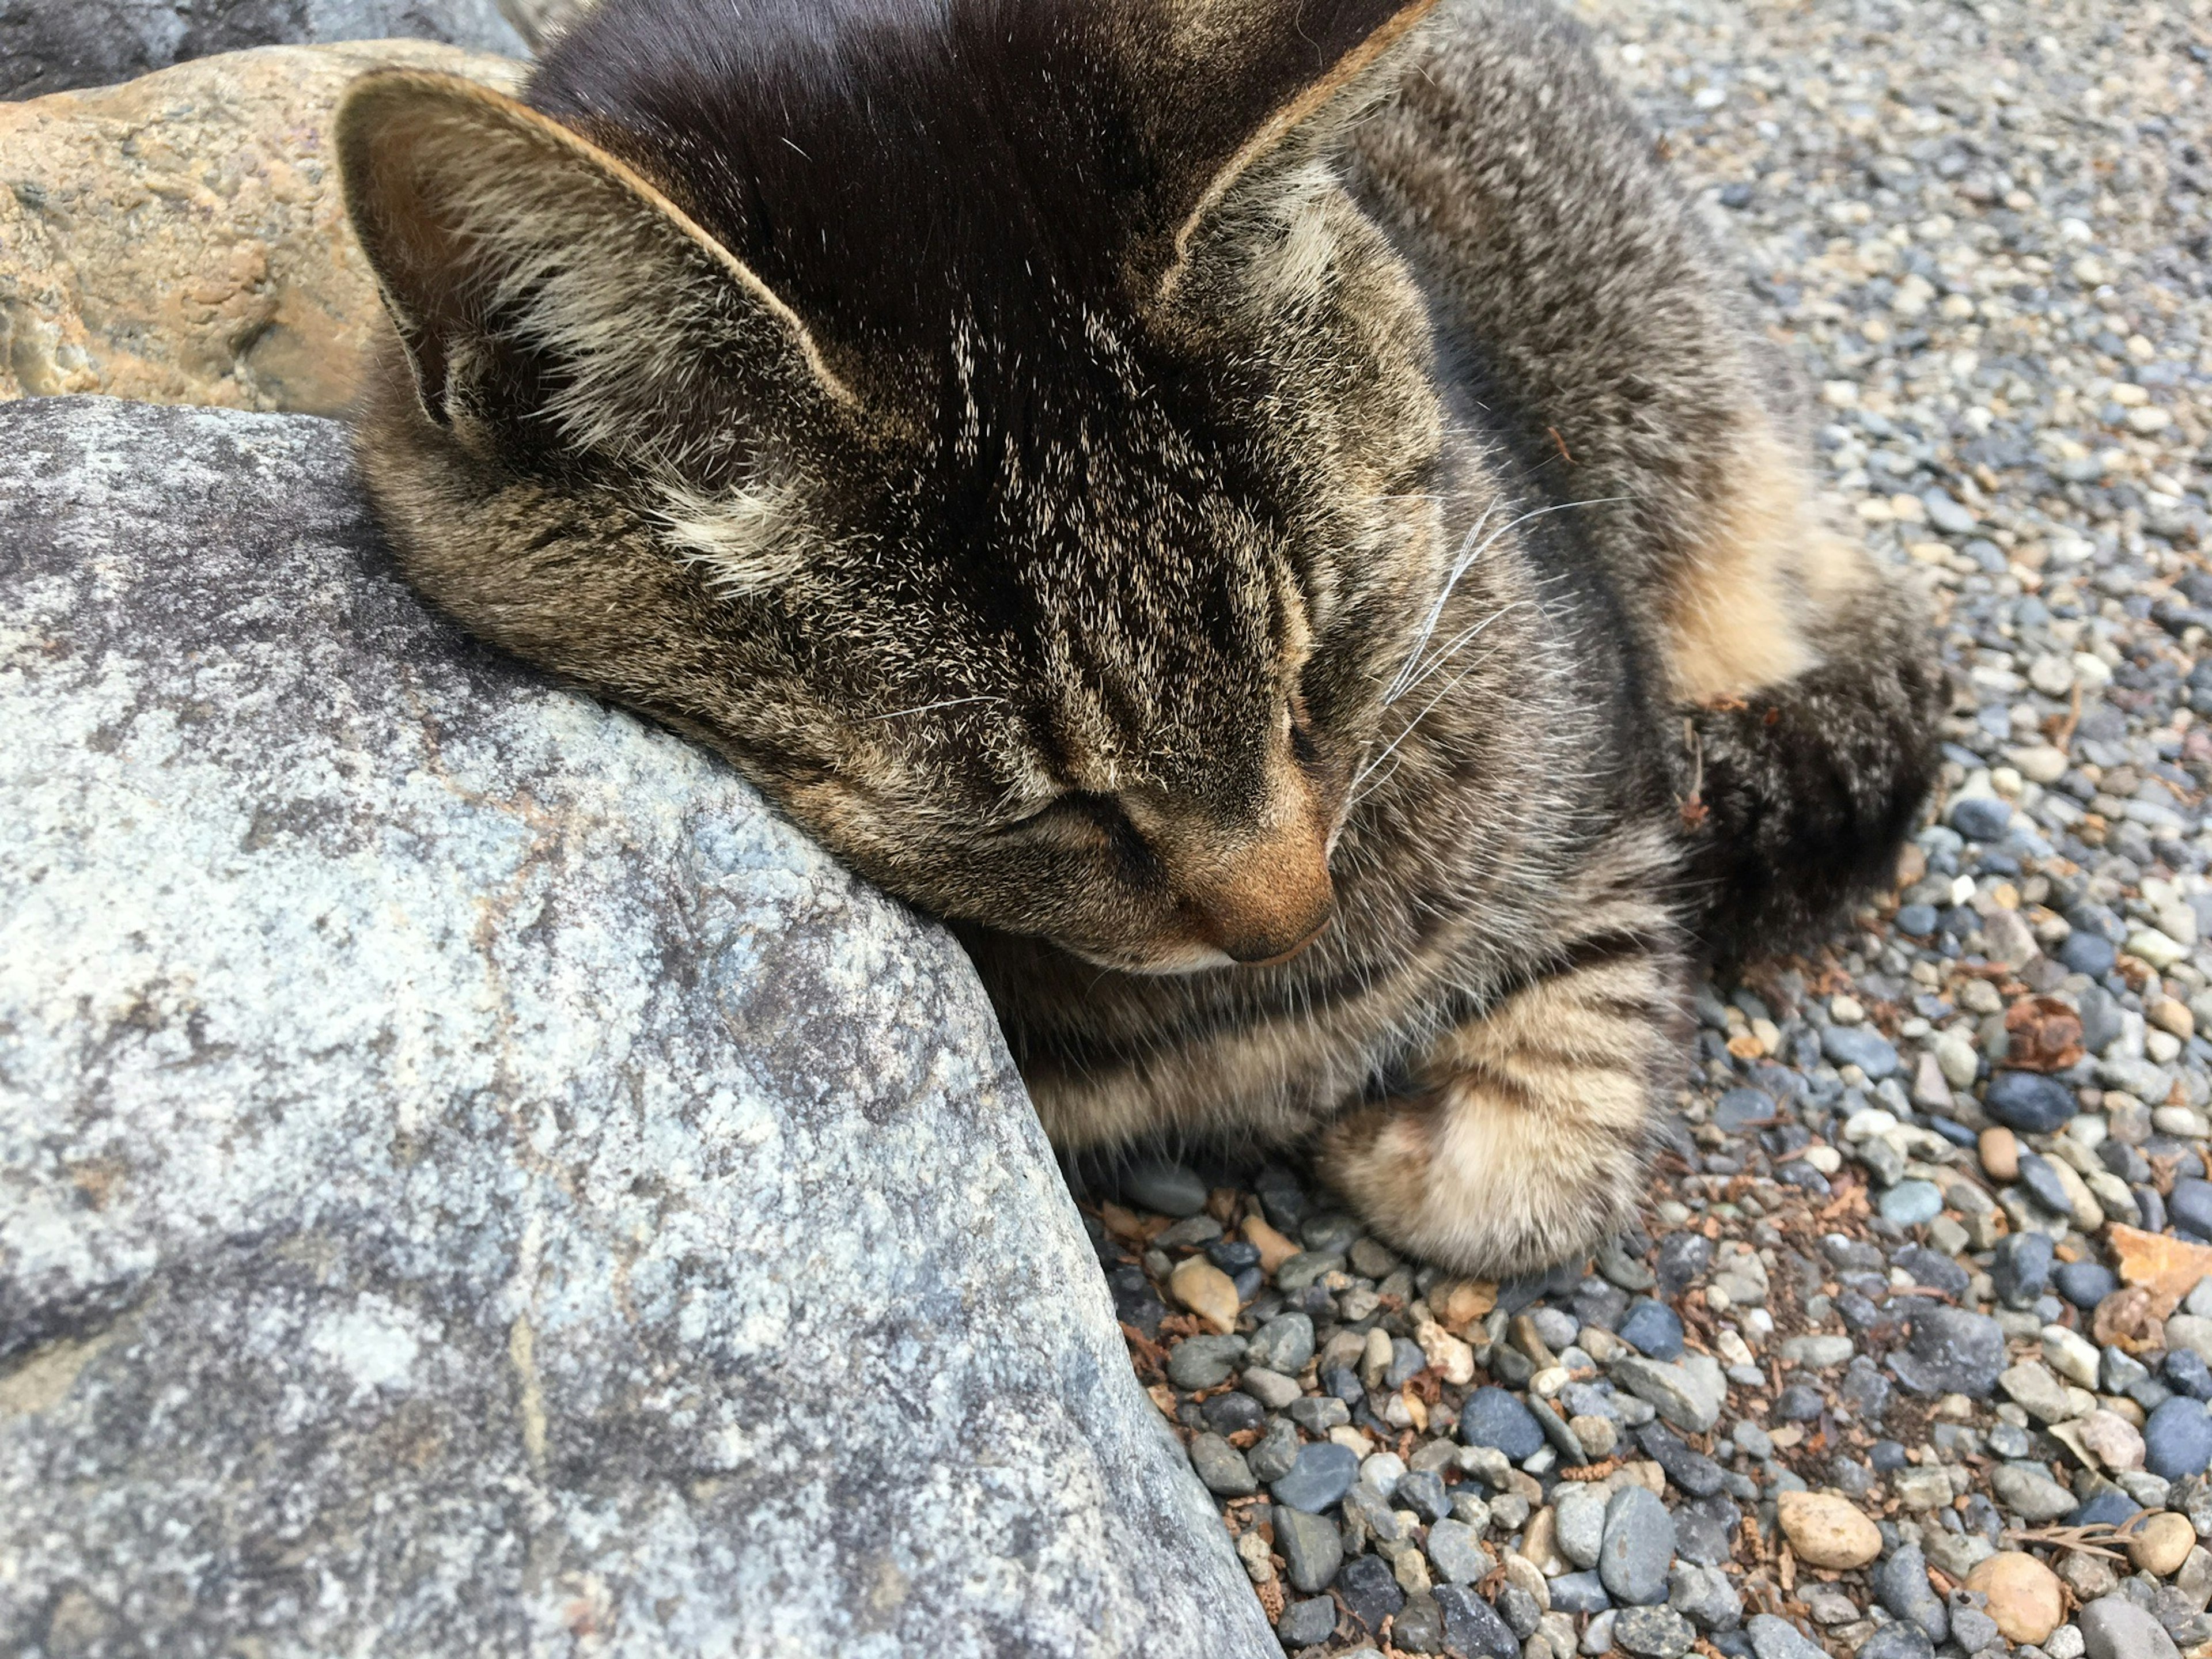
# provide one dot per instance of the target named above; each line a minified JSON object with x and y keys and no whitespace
{"x":1324,"y":1472}
{"x":53,"y":47}
{"x":1204,"y":1361}
{"x":1951,"y":1351}
{"x":539,"y":1190}
{"x":1579,"y":1524}
{"x":1704,"y":1597}
{"x":1277,"y":1451}
{"x":1897,"y":1642}
{"x":1457,"y":1553}
{"x":1686,"y":1400}
{"x":1304,"y":1623}
{"x":1639,"y":1544}
{"x":1778,"y":1639}
{"x":2113,"y":1627}
{"x":1901,"y":1583}
{"x":1284,"y":1343}
{"x":1168,"y":1188}
{"x":2029,"y":1493}
{"x":1310,"y":1547}
{"x":1652,"y":1632}
{"x":1222,"y":1467}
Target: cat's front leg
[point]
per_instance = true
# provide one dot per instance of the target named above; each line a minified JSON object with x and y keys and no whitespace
{"x":1527,"y":1134}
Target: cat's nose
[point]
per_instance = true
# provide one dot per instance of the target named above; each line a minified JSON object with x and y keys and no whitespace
{"x":1269,"y":901}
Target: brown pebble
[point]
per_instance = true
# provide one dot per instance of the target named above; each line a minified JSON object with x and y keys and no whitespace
{"x":2162,"y":1543}
{"x":2025,"y":1597}
{"x":1827,"y":1531}
{"x":2000,"y":1151}
{"x":1274,"y":1249}
{"x":1206,"y":1291}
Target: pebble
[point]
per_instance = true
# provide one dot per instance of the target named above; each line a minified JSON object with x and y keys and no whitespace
{"x":1652,"y":1632}
{"x":1284,"y":1343}
{"x":1827,"y":1531}
{"x":1689,"y":1402}
{"x":1312,"y":1549}
{"x":2178,"y":1439}
{"x":1167,"y":1188}
{"x":1472,"y":1625}
{"x":1653,"y":1329}
{"x":1911,"y":1203}
{"x":2025,"y":1597}
{"x":1901,"y":1583}
{"x":1861,"y":1046}
{"x":1320,"y":1478}
{"x":1204,"y":1361}
{"x":1206,"y":1291}
{"x":1493,"y":1417}
{"x":1304,"y":1623}
{"x":1455,"y":1551}
{"x":1638,"y":1547}
{"x":1777,"y":1638}
{"x":2029,"y":1493}
{"x":1951,"y":1351}
{"x":1222,"y":1467}
{"x":2029,"y":1101}
{"x":1999,"y":1150}
{"x":1897,"y":1641}
{"x":2113,"y":1627}
{"x":2162,"y":1543}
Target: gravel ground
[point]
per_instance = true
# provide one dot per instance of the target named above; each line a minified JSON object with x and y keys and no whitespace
{"x":1912,"y":1358}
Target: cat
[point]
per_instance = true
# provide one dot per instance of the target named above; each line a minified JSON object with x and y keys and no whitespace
{"x":1270,"y":517}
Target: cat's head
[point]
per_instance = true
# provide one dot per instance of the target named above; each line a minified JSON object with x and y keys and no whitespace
{"x":992,"y":425}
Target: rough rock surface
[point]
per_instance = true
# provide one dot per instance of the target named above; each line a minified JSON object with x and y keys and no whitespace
{"x":54,"y":45}
{"x":472,"y":1180}
{"x":182,"y":239}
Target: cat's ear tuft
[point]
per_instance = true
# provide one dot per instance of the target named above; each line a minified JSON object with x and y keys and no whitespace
{"x":1252,"y":91}
{"x":542,"y":287}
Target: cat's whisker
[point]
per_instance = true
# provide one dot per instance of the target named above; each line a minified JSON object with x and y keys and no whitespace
{"x":932,"y":708}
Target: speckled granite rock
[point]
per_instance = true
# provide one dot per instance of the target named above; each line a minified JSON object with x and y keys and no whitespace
{"x":181,"y":238}
{"x":52,"y":45}
{"x":473,"y":1182}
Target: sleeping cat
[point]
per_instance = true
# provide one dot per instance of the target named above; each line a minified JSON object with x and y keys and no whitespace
{"x":1267,"y":515}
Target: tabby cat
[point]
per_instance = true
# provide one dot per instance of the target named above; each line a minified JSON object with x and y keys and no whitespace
{"x":1267,"y":515}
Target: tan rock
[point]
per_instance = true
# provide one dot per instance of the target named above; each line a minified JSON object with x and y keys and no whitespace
{"x":2162,"y":1543}
{"x":1827,"y":1531}
{"x":180,"y":239}
{"x":2025,"y":1597}
{"x":1452,"y":1359}
{"x":1274,"y":1249}
{"x":2169,"y":1269}
{"x":1206,"y":1291}
{"x":2000,"y":1151}
{"x":2111,"y":1439}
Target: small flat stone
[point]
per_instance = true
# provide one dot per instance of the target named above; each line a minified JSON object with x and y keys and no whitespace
{"x":2030,"y":1102}
{"x":1204,"y":1361}
{"x":1222,"y":1467}
{"x":1472,"y":1625}
{"x":2178,"y":1439}
{"x":1827,"y":1531}
{"x":1688,"y":1468}
{"x":1579,"y":1523}
{"x":2030,"y":1493}
{"x":1369,"y":1589}
{"x":1579,"y":1592}
{"x":1861,"y":1046}
{"x":1901,"y":1583}
{"x":1271,"y":1389}
{"x":1637,"y":1549}
{"x":1778,"y":1639}
{"x":1307,"y":1622}
{"x":1951,"y":1351}
{"x":1312,"y":1548}
{"x":2113,"y":1627}
{"x":1206,"y":1291}
{"x":1167,"y":1188}
{"x":1897,"y":1641}
{"x":1652,"y":1632}
{"x":1653,"y":1329}
{"x":1284,"y":1344}
{"x":1491,"y":1417}
{"x":1911,"y":1203}
{"x":1456,"y":1551}
{"x":1673,"y":1391}
{"x":1324,"y":1472}
{"x":1981,"y":817}
{"x":2162,"y":1543}
{"x":2025,"y":1597}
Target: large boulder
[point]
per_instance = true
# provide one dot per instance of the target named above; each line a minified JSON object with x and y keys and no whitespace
{"x":183,"y":238}
{"x":55,"y":46}
{"x":473,"y":1181}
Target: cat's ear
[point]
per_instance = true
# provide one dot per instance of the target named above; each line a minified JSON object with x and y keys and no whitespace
{"x":1248,"y":92}
{"x":540,"y":284}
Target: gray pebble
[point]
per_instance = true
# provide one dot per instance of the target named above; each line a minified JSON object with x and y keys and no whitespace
{"x":1652,"y":1632}
{"x":1204,"y":1361}
{"x":1222,"y":1467}
{"x":1321,"y":1475}
{"x":1638,"y":1548}
{"x":1310,"y":1547}
{"x":1168,"y":1188}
